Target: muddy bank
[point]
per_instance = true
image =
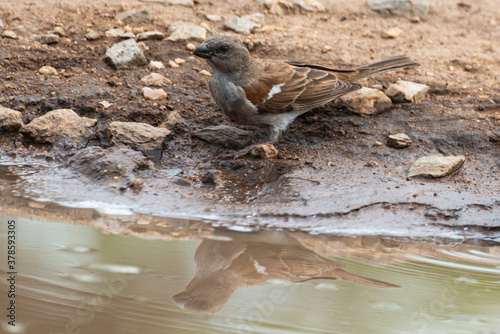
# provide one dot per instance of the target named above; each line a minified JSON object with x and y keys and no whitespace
{"x":334,"y":174}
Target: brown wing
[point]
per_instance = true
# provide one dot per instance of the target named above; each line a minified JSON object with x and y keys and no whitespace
{"x":285,"y":88}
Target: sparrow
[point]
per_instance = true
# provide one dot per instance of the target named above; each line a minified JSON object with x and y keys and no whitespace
{"x":272,"y":93}
{"x":229,"y":260}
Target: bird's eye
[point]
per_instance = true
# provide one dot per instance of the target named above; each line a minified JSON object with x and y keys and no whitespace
{"x":223,"y":49}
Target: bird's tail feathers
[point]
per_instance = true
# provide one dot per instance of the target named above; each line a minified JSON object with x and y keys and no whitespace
{"x":365,"y":71}
{"x":345,"y":276}
{"x":386,"y":65}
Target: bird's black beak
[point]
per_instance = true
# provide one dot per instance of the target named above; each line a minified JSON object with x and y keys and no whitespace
{"x":203,"y":52}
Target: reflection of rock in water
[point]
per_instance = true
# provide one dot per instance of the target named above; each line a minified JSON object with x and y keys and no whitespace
{"x":250,"y":259}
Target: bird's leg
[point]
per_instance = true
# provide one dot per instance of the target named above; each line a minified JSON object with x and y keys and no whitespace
{"x":275,"y":134}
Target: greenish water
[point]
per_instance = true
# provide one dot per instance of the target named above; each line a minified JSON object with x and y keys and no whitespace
{"x":77,"y":279}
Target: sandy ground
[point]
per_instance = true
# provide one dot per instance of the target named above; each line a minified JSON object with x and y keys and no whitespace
{"x":321,"y":182}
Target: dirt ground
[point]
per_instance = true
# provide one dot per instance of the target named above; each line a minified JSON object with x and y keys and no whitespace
{"x":321,"y":182}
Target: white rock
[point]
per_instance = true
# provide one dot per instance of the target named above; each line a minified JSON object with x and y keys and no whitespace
{"x":436,"y":166}
{"x":180,"y":31}
{"x":155,"y":79}
{"x":407,"y":8}
{"x":179,"y":61}
{"x":245,"y":24}
{"x":277,"y":6}
{"x":154,"y":94}
{"x":47,"y":71}
{"x":366,"y":101}
{"x":132,"y":16}
{"x":92,"y":35}
{"x":61,"y":127}
{"x":406,"y":91}
{"x":185,"y":3}
{"x":205,"y":73}
{"x":172,"y":64}
{"x":127,"y":35}
{"x":190,"y":46}
{"x":9,"y":34}
{"x":125,"y":54}
{"x":139,"y":136}
{"x":114,"y":33}
{"x":156,"y":65}
{"x":213,"y":18}
{"x":392,"y":33}
{"x":59,"y":31}
{"x":155,"y":35}
{"x":105,"y":104}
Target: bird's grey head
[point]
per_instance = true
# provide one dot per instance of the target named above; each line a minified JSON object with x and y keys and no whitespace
{"x":224,"y":53}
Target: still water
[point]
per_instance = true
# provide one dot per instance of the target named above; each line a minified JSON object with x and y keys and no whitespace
{"x":152,"y":275}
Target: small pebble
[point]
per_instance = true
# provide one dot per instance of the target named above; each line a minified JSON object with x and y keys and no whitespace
{"x":377,"y":143}
{"x":172,"y":64}
{"x":105,"y":104}
{"x":156,"y":65}
{"x":154,"y":94}
{"x":399,"y":140}
{"x":190,"y":46}
{"x":205,"y":73}
{"x":59,"y":31}
{"x":9,"y":34}
{"x":264,"y":151}
{"x":155,"y":79}
{"x":213,"y":18}
{"x":179,"y":61}
{"x":47,"y":70}
{"x":92,"y":35}
{"x":392,"y":33}
{"x":327,"y":48}
{"x":46,"y":39}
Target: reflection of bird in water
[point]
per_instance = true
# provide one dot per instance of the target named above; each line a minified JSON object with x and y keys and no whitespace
{"x":250,"y":259}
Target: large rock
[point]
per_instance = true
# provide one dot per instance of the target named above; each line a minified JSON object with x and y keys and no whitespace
{"x":150,"y":35}
{"x":62,"y":128}
{"x":181,"y":31}
{"x":406,"y":91}
{"x":278,"y":6}
{"x":186,"y":3}
{"x":399,"y":140}
{"x":139,"y":136}
{"x":125,"y":54}
{"x":10,"y":120}
{"x":100,"y":164}
{"x":245,"y":24}
{"x":225,"y":135}
{"x":436,"y":166}
{"x":132,"y":16}
{"x":366,"y":101}
{"x":46,"y":39}
{"x":114,"y":33}
{"x":407,"y":8}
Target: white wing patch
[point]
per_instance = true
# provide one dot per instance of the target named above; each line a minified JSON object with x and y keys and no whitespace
{"x":274,"y":90}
